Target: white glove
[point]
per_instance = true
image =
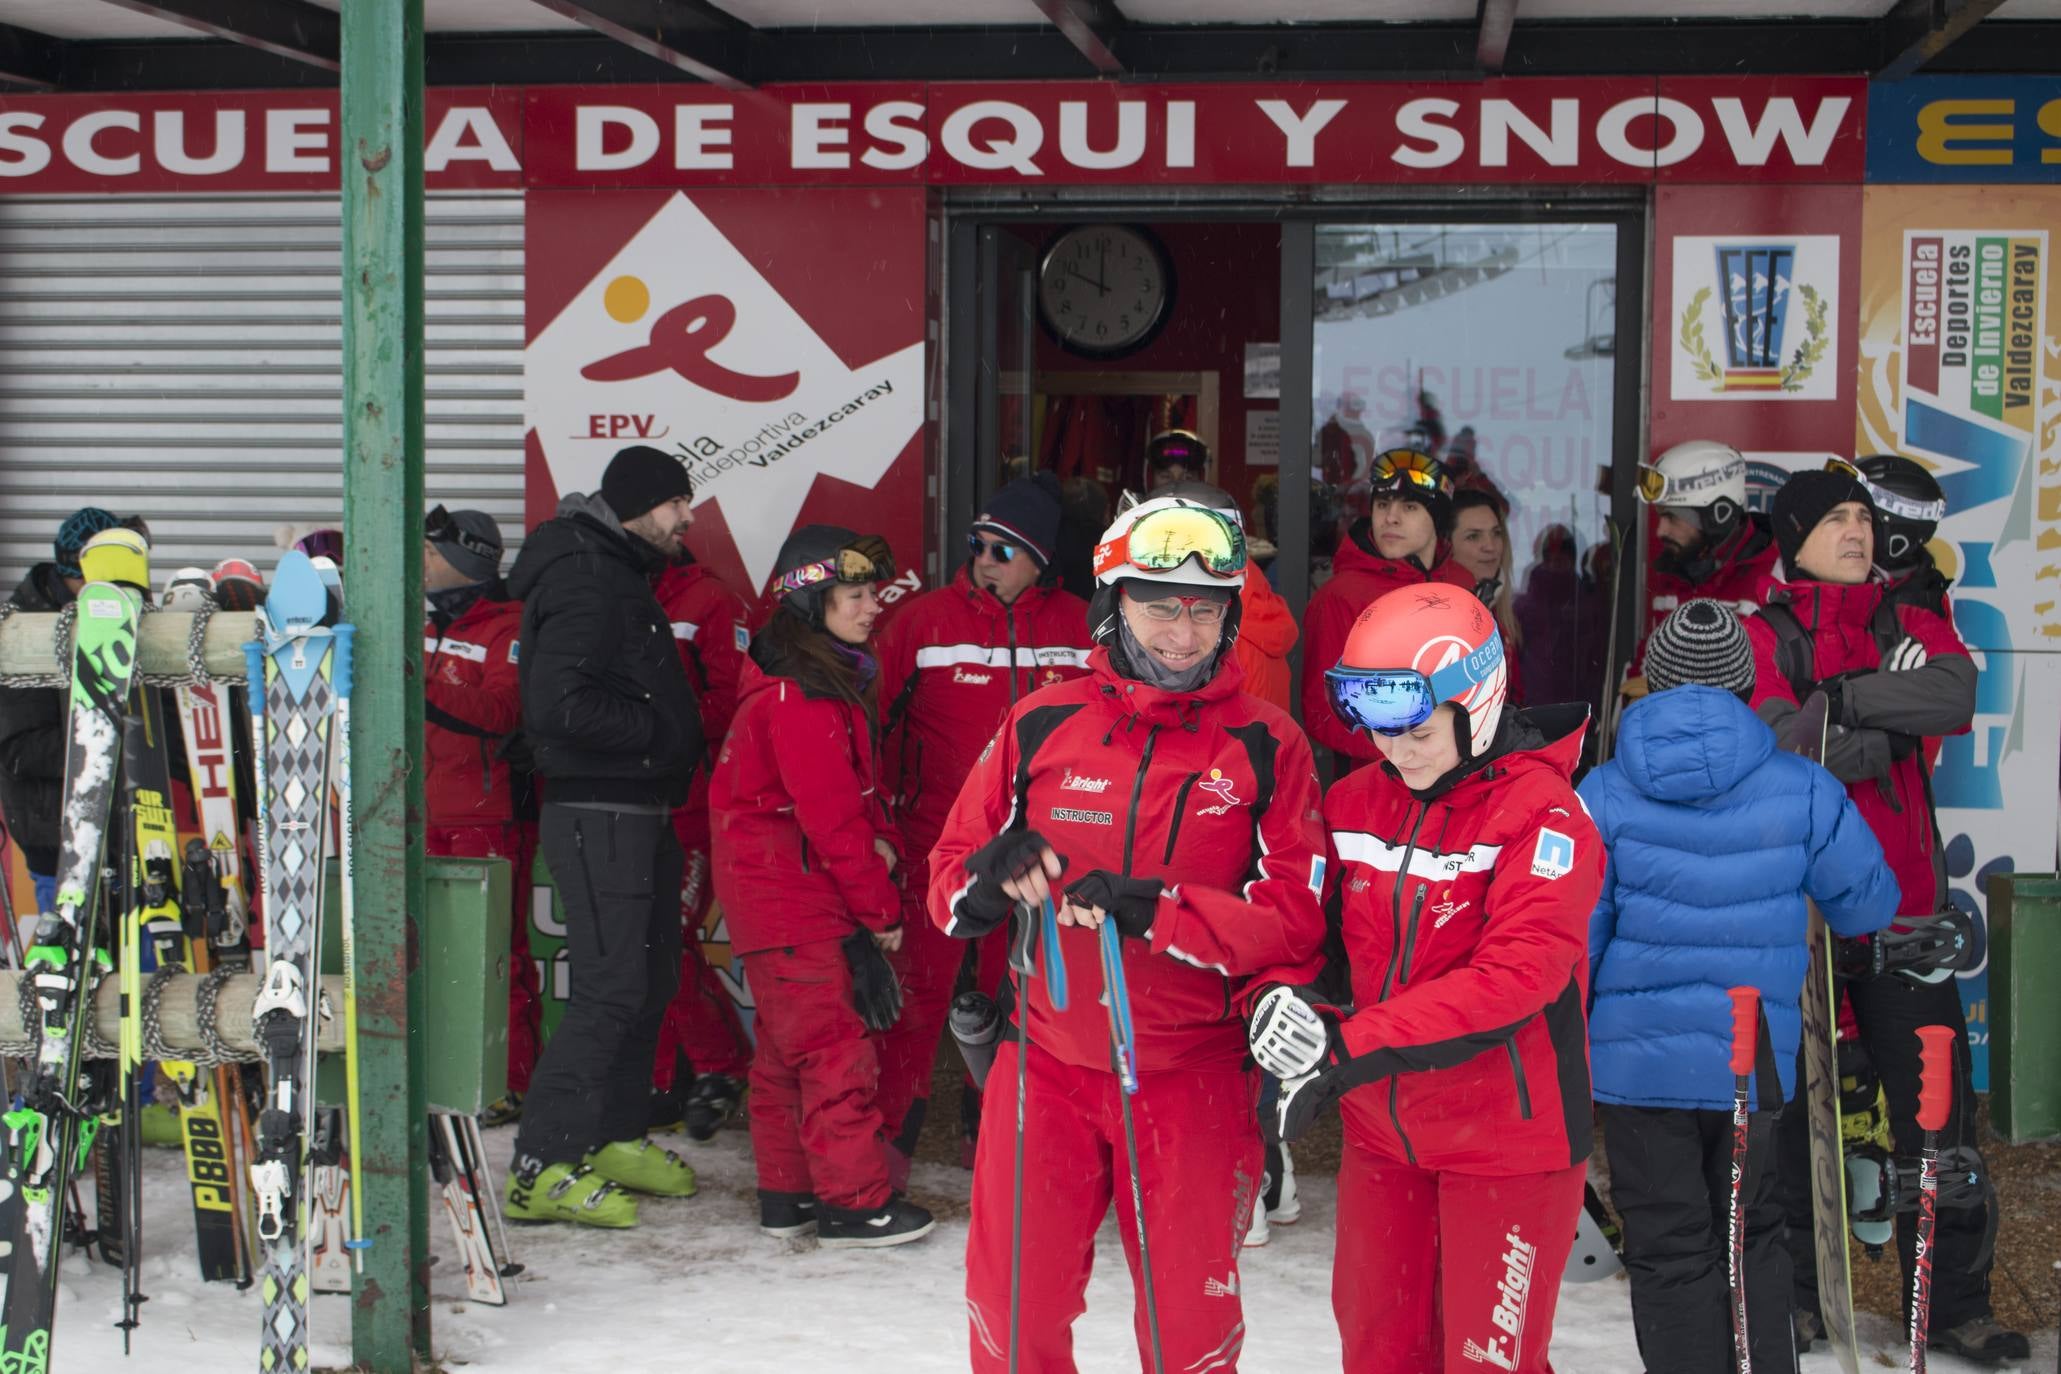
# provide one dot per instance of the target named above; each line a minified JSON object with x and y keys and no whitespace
{"x":1903,"y":656}
{"x":1288,"y":1036}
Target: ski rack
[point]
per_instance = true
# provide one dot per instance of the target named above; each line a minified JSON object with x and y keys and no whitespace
{"x":166,"y":655}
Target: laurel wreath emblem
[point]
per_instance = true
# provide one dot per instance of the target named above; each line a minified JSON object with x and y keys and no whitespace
{"x":1809,"y":353}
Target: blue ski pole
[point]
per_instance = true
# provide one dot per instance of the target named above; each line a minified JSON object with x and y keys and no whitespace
{"x":1055,"y":965}
{"x":1123,"y":1043}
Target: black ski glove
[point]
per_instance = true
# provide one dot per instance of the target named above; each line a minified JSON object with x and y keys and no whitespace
{"x":1839,"y":710}
{"x":876,"y":992}
{"x":1008,"y":856}
{"x":1130,"y":902}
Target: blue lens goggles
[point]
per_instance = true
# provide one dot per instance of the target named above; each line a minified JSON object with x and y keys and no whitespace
{"x":1389,"y":701}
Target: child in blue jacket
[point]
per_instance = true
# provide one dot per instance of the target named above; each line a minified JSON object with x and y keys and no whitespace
{"x":1715,"y":839}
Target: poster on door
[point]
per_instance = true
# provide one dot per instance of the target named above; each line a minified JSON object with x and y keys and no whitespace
{"x":771,"y":341}
{"x":1960,"y":370}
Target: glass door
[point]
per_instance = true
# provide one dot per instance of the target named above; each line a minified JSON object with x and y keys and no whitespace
{"x":1492,"y":347}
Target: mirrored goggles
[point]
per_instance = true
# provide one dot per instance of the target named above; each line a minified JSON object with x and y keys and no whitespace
{"x":1410,"y":467}
{"x":1389,"y":701}
{"x":868,"y":560}
{"x":1162,"y":540}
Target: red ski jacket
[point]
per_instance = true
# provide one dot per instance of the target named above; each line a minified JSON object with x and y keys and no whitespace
{"x":708,"y":622}
{"x":1739,"y":568}
{"x":471,"y":703}
{"x":1357,"y":578}
{"x":1266,"y":634}
{"x":796,"y":808}
{"x":1868,"y":749}
{"x":1214,"y":793}
{"x":1466,"y":922}
{"x":952,"y":663}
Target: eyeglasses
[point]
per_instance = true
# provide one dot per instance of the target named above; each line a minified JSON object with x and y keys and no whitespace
{"x":1001,"y":550}
{"x":1390,"y":701}
{"x":1163,"y":539}
{"x":1400,"y":467}
{"x":867,"y":559}
{"x":1204,"y":612}
{"x":440,"y":527}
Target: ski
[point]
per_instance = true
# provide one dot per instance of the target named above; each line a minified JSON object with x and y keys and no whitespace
{"x":50,"y":1132}
{"x":293,"y":668}
{"x":329,"y":1265}
{"x":456,"y":1159}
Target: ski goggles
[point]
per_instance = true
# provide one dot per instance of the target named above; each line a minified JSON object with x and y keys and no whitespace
{"x":1656,"y":488}
{"x":1409,"y":467}
{"x":1389,"y":701}
{"x":864,"y":560}
{"x":1888,"y":502}
{"x":1161,"y":540}
{"x":439,"y":527}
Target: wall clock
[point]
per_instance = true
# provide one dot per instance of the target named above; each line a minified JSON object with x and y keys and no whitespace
{"x":1105,"y":289}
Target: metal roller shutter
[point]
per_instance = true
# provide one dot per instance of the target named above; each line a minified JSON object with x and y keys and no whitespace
{"x":181,"y":358}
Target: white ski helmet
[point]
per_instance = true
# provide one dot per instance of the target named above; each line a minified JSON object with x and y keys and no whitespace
{"x":1701,"y":475}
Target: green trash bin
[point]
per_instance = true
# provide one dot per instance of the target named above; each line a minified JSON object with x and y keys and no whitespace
{"x":464,"y":935}
{"x":2024,"y":1013}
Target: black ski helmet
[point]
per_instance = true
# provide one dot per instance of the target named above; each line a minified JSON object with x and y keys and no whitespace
{"x":833,"y":545}
{"x":1909,"y":504}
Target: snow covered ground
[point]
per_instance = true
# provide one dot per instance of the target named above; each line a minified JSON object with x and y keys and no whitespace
{"x":697,"y":1287}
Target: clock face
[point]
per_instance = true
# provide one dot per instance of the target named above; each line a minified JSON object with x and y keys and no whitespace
{"x":1104,"y":289}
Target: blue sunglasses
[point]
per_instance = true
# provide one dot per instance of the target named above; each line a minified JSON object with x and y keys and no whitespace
{"x":976,"y":546}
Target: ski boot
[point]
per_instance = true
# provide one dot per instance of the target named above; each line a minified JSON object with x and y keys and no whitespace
{"x":710,"y":1102}
{"x":643,"y":1167}
{"x":538,"y":1192}
{"x":785,"y":1216}
{"x":502,"y":1111}
{"x":895,"y":1222}
{"x":1983,"y":1341}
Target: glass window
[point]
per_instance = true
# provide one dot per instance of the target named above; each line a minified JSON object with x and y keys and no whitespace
{"x":1491,"y":347}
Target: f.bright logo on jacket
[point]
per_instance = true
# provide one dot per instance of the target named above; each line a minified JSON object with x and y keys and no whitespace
{"x":1219,"y":786}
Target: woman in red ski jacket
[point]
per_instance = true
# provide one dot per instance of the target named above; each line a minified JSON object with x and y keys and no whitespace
{"x":803,"y":858}
{"x":1403,"y":543}
{"x":1467,"y":870}
{"x":1158,"y":796}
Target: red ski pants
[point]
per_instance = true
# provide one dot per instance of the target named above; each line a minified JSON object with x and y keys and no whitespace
{"x":515,"y":842}
{"x":701,"y":1021}
{"x":814,"y":1127}
{"x":1445,"y":1271}
{"x":1199,"y":1169}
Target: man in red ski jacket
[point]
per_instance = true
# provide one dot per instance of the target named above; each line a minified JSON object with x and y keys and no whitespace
{"x":1709,"y":546}
{"x":1401,"y":544}
{"x":471,"y":707}
{"x":952,"y":663}
{"x":701,"y":1025}
{"x":1896,"y":677}
{"x":1185,"y":812}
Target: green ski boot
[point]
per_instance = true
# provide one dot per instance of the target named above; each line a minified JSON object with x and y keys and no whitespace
{"x":567,"y":1192}
{"x":643,"y":1167}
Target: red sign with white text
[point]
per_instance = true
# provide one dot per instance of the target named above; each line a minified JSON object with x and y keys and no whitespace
{"x":1512,"y":131}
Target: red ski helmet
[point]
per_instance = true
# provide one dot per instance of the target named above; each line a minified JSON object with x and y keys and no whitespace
{"x":1411,"y":651}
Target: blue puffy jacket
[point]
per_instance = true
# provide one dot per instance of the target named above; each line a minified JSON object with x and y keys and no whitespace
{"x":1715,"y":838}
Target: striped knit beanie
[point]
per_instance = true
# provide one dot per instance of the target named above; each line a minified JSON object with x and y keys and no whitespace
{"x":1702,"y":644}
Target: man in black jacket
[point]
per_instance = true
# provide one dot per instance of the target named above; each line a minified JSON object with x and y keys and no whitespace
{"x":615,"y":735}
{"x":33,"y":735}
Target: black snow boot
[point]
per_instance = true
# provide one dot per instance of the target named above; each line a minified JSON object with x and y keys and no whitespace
{"x":895,"y":1222}
{"x":1982,"y":1340}
{"x":786,"y":1215}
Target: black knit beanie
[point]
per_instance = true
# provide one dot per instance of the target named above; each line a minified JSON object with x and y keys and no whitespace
{"x":1804,"y":500}
{"x":641,"y":477}
{"x":1702,"y":644}
{"x":1026,"y":513}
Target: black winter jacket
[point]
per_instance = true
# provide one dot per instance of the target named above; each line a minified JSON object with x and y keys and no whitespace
{"x":33,"y":740}
{"x":607,"y":708}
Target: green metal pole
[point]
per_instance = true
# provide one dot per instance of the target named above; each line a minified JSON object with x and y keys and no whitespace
{"x":381,"y":164}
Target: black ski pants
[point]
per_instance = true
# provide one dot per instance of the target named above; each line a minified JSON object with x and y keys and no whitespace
{"x":1889,"y":1010}
{"x":618,"y":880}
{"x":1671,"y":1178}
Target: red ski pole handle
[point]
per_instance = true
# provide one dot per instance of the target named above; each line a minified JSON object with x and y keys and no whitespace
{"x":1745,"y":1013}
{"x":1935,"y":1075}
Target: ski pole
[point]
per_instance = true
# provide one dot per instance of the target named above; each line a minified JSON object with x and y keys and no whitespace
{"x":359,"y":1241}
{"x":1935,"y":1101}
{"x":1124,"y":1046}
{"x":1745,"y":1012}
{"x":1055,"y":966}
{"x":1023,"y":963}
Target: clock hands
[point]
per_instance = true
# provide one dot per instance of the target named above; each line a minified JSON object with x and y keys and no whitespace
{"x":1101,"y":288}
